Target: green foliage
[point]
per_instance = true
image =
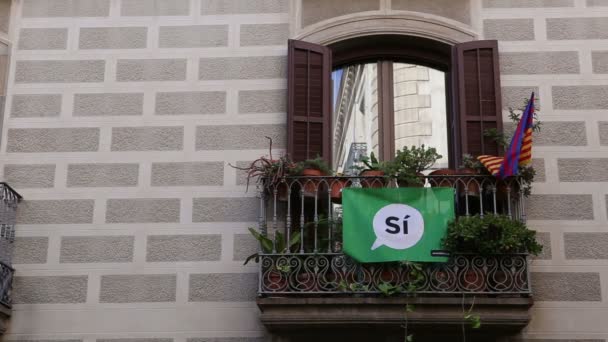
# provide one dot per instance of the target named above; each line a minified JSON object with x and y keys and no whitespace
{"x":410,"y":162}
{"x":388,"y":289}
{"x":370,"y":163}
{"x":356,"y":287}
{"x":526,"y":177}
{"x":490,"y":234}
{"x":515,"y":115}
{"x":268,"y":246}
{"x":323,"y":226}
{"x":473,"y":319}
{"x":315,"y":164}
{"x":470,"y":317}
{"x":470,"y":162}
{"x":284,"y":268}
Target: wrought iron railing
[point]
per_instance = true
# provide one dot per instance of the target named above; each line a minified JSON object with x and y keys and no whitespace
{"x":336,"y":273}
{"x":9,"y":199}
{"x":6,"y":281}
{"x":311,"y":206}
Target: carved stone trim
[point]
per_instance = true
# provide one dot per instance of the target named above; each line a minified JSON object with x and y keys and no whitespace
{"x":413,"y":24}
{"x":500,"y":315}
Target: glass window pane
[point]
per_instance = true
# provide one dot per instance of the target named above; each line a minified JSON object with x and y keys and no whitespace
{"x":355,"y":115}
{"x":420,"y":109}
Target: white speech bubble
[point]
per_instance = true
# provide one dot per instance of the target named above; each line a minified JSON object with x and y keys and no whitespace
{"x":397,"y":226}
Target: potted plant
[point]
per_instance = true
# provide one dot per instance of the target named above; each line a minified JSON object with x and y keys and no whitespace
{"x":486,"y":236}
{"x":270,"y":173}
{"x":311,"y":168}
{"x":471,"y":166}
{"x":371,"y":168}
{"x":277,"y":275}
{"x":336,"y":185}
{"x":409,"y":163}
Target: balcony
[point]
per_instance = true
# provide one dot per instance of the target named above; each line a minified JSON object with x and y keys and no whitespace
{"x":9,"y":199}
{"x":316,"y":286}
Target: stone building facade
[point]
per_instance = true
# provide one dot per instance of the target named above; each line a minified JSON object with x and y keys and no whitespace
{"x":121,"y":118}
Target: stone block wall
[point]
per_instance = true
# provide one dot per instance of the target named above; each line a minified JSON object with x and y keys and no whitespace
{"x":557,"y":49}
{"x":121,"y":120}
{"x":122,"y":116}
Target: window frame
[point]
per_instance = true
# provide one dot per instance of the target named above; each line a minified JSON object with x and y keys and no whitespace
{"x":386,"y":50}
{"x":480,"y":100}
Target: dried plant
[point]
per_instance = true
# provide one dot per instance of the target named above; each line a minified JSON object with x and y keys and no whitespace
{"x":268,"y":170}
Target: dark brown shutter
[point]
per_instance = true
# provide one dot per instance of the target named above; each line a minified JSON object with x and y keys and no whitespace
{"x":309,"y":101}
{"x":478,"y":95}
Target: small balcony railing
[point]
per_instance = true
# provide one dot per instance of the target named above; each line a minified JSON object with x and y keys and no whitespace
{"x":315,"y":265}
{"x":6,"y":280}
{"x":9,"y":200}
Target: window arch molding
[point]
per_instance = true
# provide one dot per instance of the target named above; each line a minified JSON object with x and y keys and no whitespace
{"x":406,"y":24}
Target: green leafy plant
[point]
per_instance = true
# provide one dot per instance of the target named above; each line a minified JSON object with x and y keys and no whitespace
{"x":473,"y":319}
{"x":324,"y":224}
{"x":504,"y":140}
{"x":370,"y":163}
{"x":356,"y":287}
{"x":526,"y":176}
{"x":470,"y":317}
{"x":470,"y":162}
{"x":268,"y":245}
{"x":490,"y":234}
{"x":315,"y":164}
{"x":415,"y":278}
{"x":284,"y":268}
{"x":388,"y":289}
{"x":409,"y":162}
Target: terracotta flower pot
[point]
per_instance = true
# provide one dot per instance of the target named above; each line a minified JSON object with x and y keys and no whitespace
{"x":437,"y":180}
{"x":473,"y":187}
{"x":373,"y":182}
{"x":336,"y":187}
{"x":311,"y":186}
{"x":282,"y":191}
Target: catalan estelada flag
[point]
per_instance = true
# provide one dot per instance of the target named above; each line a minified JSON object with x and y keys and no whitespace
{"x":520,"y":149}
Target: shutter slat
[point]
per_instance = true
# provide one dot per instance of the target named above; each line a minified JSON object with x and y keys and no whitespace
{"x":479,"y":98}
{"x":309,"y":101}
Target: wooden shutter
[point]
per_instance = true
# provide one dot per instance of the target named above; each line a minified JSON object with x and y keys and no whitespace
{"x":478,"y":95}
{"x":309,"y":101}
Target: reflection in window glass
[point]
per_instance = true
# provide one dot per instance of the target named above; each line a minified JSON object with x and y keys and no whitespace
{"x":420,"y":109}
{"x":355,"y":115}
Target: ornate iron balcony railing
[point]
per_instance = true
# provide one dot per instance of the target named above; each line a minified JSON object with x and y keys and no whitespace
{"x":336,"y":273}
{"x":316,"y":264}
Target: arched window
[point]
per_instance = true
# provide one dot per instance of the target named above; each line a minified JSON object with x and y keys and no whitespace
{"x":380,"y":93}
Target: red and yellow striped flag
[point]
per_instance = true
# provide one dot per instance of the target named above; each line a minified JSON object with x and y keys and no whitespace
{"x":492,"y":163}
{"x":520,"y":149}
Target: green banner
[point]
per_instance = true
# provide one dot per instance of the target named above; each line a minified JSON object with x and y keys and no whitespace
{"x":400,"y":224}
